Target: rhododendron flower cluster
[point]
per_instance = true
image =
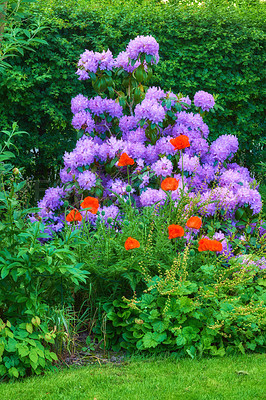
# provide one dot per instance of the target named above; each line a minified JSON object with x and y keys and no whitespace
{"x":156,"y":134}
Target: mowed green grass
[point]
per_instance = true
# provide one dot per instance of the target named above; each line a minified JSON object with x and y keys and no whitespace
{"x":230,"y":378}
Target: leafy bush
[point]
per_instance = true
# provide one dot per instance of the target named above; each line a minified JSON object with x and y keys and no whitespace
{"x":213,"y":310}
{"x":34,"y":274}
{"x":215,"y":47}
{"x":24,"y":348}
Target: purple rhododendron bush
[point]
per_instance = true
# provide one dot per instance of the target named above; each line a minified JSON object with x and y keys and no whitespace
{"x":129,"y":117}
{"x":170,"y":228}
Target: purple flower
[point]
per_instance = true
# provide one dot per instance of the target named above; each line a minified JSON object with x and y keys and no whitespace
{"x":145,"y":180}
{"x":232,"y":179}
{"x":163,"y":167}
{"x":154,"y":93}
{"x":83,"y":120}
{"x":65,"y":176}
{"x":82,"y":74}
{"x":190,"y":164}
{"x":52,"y":199}
{"x":109,"y":212}
{"x":143,"y":44}
{"x":99,"y":106}
{"x":87,"y":180}
{"x":204,"y":100}
{"x":105,"y":60}
{"x":150,"y":110}
{"x":252,"y":197}
{"x":88,"y":62}
{"x":224,"y":147}
{"x":79,"y":103}
{"x":122,"y":61}
{"x":127,"y":123}
{"x":152,"y":196}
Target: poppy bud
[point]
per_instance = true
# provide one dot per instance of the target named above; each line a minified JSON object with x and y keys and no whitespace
{"x":128,"y":188}
{"x":109,"y":220}
{"x":16,"y":171}
{"x":127,"y":223}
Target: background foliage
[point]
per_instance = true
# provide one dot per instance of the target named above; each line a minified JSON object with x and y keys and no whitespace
{"x":215,"y":47}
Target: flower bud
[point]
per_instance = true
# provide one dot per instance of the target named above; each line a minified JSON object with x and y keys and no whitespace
{"x":16,"y":171}
{"x":128,"y":188}
{"x":127,"y":223}
{"x":109,"y":220}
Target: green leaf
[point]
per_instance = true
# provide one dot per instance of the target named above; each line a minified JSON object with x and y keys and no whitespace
{"x":13,"y":372}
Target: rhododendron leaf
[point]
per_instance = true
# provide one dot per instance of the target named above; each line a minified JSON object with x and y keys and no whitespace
{"x":109,"y":73}
{"x":239,"y":213}
{"x":93,"y":76}
{"x":80,"y":169}
{"x":215,"y":163}
{"x":80,"y":134}
{"x":168,"y":103}
{"x":148,"y":58}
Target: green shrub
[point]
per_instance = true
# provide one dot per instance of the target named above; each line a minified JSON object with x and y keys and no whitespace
{"x":213,"y":311}
{"x":215,"y":47}
{"x":35,"y":274}
{"x":24,"y":348}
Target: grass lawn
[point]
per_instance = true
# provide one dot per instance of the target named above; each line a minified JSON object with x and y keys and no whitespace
{"x":230,"y":378}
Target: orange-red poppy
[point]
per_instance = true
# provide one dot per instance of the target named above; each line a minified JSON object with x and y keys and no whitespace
{"x":209,"y":245}
{"x":125,"y":160}
{"x":92,"y":203}
{"x":194,"y":222}
{"x":175,"y":231}
{"x":74,"y":215}
{"x":180,"y":142}
{"x":131,"y":243}
{"x":169,"y":184}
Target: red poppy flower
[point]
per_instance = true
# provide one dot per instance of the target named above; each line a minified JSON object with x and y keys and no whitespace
{"x":92,"y":203}
{"x":74,"y":215}
{"x":175,"y":231}
{"x":209,"y":245}
{"x":194,"y":222}
{"x":125,"y":160}
{"x":131,"y":243}
{"x":169,"y":184}
{"x":180,"y":142}
{"x":215,"y":245}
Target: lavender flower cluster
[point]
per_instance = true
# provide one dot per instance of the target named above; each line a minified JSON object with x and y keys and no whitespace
{"x":208,"y":167}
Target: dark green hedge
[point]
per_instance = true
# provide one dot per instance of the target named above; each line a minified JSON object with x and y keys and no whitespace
{"x":212,"y":49}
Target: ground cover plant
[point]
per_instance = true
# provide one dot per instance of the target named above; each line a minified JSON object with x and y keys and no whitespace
{"x":171,"y":222}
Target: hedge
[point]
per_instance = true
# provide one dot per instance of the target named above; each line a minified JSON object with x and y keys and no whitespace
{"x":201,"y":48}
